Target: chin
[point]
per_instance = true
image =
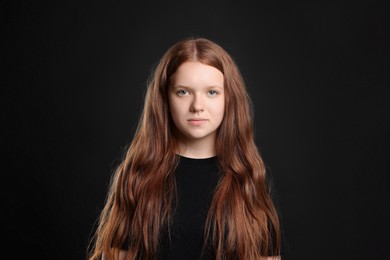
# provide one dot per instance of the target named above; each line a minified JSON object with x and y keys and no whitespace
{"x":194,"y":137}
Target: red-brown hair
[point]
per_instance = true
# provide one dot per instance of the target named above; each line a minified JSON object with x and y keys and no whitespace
{"x":242,"y":222}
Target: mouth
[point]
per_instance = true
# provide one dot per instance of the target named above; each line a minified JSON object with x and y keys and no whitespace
{"x":196,"y":121}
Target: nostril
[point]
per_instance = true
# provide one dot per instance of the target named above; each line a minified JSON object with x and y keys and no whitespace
{"x":196,"y":108}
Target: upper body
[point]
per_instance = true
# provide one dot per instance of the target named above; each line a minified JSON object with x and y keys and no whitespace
{"x":196,"y":180}
{"x":197,"y":108}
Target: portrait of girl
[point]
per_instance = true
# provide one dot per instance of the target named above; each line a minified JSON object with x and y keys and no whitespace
{"x":192,"y":183}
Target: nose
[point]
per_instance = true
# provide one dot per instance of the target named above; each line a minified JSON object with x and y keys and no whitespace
{"x":197,"y":104}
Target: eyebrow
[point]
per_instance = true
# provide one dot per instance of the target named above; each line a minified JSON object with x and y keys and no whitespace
{"x":207,"y":87}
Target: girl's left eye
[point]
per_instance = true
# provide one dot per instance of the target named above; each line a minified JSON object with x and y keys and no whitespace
{"x":213,"y":92}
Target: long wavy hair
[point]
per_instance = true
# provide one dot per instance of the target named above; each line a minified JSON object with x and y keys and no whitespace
{"x":242,"y":222}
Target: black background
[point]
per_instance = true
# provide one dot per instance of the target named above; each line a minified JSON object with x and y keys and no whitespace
{"x":73,"y":80}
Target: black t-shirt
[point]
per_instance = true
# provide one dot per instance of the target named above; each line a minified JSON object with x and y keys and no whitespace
{"x":196,"y":180}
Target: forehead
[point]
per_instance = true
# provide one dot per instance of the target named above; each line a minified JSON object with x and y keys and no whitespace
{"x":197,"y":74}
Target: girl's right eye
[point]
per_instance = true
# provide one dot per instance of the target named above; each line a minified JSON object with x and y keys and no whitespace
{"x":182,"y":92}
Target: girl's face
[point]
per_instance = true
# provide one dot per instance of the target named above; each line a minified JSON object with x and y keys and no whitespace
{"x":196,"y":101}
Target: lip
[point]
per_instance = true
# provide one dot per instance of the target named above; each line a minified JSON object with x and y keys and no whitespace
{"x":196,"y":121}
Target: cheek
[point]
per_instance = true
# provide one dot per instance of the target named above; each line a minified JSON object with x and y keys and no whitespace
{"x":219,"y":108}
{"x":175,"y":108}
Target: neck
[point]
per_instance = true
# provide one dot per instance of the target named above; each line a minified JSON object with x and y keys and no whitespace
{"x":197,"y":149}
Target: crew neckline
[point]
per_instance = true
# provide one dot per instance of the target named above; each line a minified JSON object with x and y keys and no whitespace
{"x":197,"y":162}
